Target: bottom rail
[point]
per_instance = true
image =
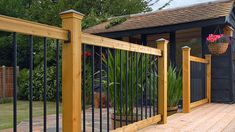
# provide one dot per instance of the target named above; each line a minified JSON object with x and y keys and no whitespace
{"x":139,"y":125}
{"x":198,"y":103}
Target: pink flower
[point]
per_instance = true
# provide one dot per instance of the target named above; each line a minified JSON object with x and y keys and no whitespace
{"x":213,"y":38}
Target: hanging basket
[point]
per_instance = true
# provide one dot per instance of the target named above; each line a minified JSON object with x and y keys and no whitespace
{"x":218,"y":49}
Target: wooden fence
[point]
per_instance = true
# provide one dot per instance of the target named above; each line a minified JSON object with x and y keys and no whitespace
{"x":73,"y":38}
{"x":187,"y":59}
{"x":6,"y":82}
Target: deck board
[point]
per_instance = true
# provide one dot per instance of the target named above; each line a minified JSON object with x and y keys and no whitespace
{"x":206,"y":118}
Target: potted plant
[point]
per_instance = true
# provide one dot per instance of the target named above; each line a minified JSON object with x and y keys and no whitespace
{"x":134,"y":86}
{"x":174,"y":92}
{"x":217,"y":44}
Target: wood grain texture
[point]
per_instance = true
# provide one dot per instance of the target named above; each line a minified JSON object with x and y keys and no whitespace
{"x":208,"y":78}
{"x":139,"y":125}
{"x":71,"y":74}
{"x":186,"y":79}
{"x":197,"y":59}
{"x":162,"y":85}
{"x":198,"y":103}
{"x":209,"y":117}
{"x":10,"y":24}
{"x":116,"y":44}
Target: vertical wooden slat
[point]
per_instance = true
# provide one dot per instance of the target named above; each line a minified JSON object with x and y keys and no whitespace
{"x":162,"y":85}
{"x":71,"y":72}
{"x":186,"y":79}
{"x":208,"y":78}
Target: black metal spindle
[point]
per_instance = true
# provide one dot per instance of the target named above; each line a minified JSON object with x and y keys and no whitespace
{"x":84,"y":88}
{"x":146,"y":85}
{"x":132,"y":94}
{"x":114,"y":107}
{"x":57,"y":85}
{"x":120,"y":94}
{"x":45,"y":86}
{"x":100,"y":88}
{"x":150,"y":86}
{"x":141,"y":86}
{"x":137,"y":82}
{"x":154,"y":85}
{"x":15,"y":83}
{"x":126,"y":87}
{"x":30,"y":83}
{"x":108,"y":90}
{"x":156,"y":79}
{"x":93,"y":88}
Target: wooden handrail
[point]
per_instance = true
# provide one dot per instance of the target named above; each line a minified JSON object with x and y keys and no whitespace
{"x":10,"y":24}
{"x":116,"y":44}
{"x":197,"y":59}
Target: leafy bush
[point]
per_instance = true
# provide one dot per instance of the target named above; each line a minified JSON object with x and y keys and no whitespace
{"x":174,"y":87}
{"x":23,"y":84}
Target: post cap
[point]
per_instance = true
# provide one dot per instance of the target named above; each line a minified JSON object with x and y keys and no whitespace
{"x":162,"y":40}
{"x":186,"y":47}
{"x":71,"y":14}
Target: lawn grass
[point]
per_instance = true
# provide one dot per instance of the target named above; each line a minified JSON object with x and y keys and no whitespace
{"x":6,"y":112}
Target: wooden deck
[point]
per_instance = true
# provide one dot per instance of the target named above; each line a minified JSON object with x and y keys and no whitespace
{"x":206,"y":118}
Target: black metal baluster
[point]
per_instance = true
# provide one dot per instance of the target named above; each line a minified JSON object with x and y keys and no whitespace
{"x":146,"y":85}
{"x":100,"y":88}
{"x":156,"y":79}
{"x":84,"y":88}
{"x":136,"y":56}
{"x":126,"y":87}
{"x":15,"y":83}
{"x":131,"y":69}
{"x":154,"y":85}
{"x":114,"y":107}
{"x":93,"y":88}
{"x":108,"y":90}
{"x":120,"y":94}
{"x":57,"y":85}
{"x":150,"y":86}
{"x":31,"y":83}
{"x":141,"y":86}
{"x":45,"y":86}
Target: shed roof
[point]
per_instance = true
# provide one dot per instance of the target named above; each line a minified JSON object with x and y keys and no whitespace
{"x":197,"y":12}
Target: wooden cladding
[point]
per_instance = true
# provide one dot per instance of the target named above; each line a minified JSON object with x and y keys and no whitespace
{"x":116,"y":44}
{"x":10,"y":24}
{"x":186,"y":59}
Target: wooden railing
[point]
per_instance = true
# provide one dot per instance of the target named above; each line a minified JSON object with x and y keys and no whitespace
{"x":186,"y":64}
{"x":73,"y":38}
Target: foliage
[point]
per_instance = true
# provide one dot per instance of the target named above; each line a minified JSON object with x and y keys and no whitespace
{"x":132,"y":84}
{"x":23,"y":84}
{"x":174,"y":87}
{"x":87,"y":77}
{"x":116,"y":21}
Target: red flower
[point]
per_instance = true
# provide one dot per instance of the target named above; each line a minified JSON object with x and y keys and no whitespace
{"x":213,"y":38}
{"x":87,"y":54}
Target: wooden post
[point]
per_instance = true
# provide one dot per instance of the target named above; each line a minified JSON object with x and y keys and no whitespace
{"x":162,"y":85}
{"x":208,"y":78}
{"x":186,"y":79}
{"x":71,"y":72}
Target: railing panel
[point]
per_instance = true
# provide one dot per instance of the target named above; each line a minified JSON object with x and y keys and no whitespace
{"x":196,"y":80}
{"x":128,"y":82}
{"x":119,"y":87}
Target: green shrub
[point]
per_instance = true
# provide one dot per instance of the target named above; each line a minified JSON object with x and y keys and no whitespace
{"x":23,"y":84}
{"x":174,"y":87}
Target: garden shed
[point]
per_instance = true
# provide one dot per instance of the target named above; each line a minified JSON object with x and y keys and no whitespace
{"x":184,"y":26}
